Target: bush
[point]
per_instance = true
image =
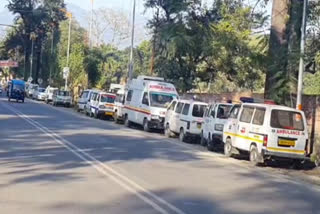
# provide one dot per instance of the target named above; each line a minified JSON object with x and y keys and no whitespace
{"x":316,"y":153}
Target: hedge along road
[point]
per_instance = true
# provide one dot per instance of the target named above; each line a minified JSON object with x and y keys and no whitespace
{"x":56,"y":161}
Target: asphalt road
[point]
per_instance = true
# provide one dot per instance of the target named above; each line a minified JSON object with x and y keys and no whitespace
{"x":54,"y":160}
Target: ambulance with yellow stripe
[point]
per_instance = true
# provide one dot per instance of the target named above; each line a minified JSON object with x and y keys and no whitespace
{"x":266,"y":131}
{"x":146,"y":101}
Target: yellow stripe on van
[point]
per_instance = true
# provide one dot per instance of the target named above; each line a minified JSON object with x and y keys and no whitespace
{"x":244,"y":137}
{"x":286,"y":150}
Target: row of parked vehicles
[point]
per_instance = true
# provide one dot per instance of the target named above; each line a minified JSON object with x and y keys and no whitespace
{"x":49,"y":95}
{"x":262,"y":130}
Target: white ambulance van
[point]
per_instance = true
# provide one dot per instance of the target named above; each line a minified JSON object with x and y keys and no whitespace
{"x":102,"y":105}
{"x":118,"y":106}
{"x":146,"y":101}
{"x":266,"y":131}
{"x":185,"y":117}
{"x":214,"y":120}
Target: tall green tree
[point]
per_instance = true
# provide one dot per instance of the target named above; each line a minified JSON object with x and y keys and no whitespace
{"x":284,"y":51}
{"x":38,"y":17}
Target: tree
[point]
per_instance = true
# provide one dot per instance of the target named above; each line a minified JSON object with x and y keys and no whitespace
{"x":111,"y":23}
{"x":194,"y":43}
{"x":284,"y":50}
{"x":39,"y":18}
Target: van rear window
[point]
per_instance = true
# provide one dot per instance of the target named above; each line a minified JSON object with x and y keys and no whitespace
{"x":291,"y":120}
{"x":198,"y":110}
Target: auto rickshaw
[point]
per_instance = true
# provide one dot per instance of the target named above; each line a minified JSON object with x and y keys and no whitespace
{"x":16,"y":90}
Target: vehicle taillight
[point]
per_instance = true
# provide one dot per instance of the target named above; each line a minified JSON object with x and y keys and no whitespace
{"x":265,"y":140}
{"x":306,"y":147}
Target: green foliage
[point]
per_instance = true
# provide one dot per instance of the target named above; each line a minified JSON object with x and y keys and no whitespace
{"x":196,"y":44}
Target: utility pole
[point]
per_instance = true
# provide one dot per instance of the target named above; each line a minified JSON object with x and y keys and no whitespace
{"x":91,"y":25}
{"x":69,"y":43}
{"x":301,"y":63}
{"x":52,"y":41}
{"x":154,"y":44}
{"x":33,"y":36}
{"x":132,"y":40}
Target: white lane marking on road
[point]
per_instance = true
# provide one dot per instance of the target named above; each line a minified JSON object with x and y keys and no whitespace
{"x":103,"y":168}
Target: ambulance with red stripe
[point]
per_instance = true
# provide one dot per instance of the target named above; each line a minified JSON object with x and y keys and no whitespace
{"x":146,"y":101}
{"x":266,"y":131}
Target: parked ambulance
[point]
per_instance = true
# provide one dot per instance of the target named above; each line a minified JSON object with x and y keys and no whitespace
{"x":266,"y":131}
{"x":102,"y":105}
{"x":146,"y":101}
{"x":214,"y":120}
{"x":118,"y":106}
{"x":185,"y":118}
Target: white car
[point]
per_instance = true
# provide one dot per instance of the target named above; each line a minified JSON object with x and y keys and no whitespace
{"x":31,"y":89}
{"x":215,"y":118}
{"x":266,"y":131}
{"x":84,"y":99}
{"x":49,"y":94}
{"x":102,"y":105}
{"x":184,"y":117}
{"x":61,"y":98}
{"x":39,"y":94}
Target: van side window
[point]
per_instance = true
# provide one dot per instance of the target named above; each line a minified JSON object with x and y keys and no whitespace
{"x":258,"y":118}
{"x":179,"y":108}
{"x":234,"y":112}
{"x":246,"y":114}
{"x":93,"y":96}
{"x":129,"y":96}
{"x":145,"y":99}
{"x":173,"y":105}
{"x":186,"y":108}
{"x":206,"y":112}
{"x":213,"y":112}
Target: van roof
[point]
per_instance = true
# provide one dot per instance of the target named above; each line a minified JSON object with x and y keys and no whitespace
{"x":192,"y":102}
{"x":103,"y":92}
{"x":271,"y":106}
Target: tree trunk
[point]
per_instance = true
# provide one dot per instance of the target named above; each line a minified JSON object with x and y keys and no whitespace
{"x":283,"y":49}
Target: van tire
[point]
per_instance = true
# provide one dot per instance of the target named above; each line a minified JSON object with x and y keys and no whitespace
{"x":228,"y":148}
{"x":182,"y":136}
{"x":203,"y":141}
{"x":168,"y":132}
{"x":127,"y":122}
{"x":254,"y":156}
{"x":146,"y":125}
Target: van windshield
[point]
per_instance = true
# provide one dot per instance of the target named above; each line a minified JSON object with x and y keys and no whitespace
{"x":107,"y":98}
{"x":41,"y":89}
{"x":287,"y":120}
{"x":63,"y":93}
{"x":198,"y":110}
{"x":18,"y":87}
{"x":84,"y":94}
{"x":223,"y":111}
{"x":160,"y":99}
